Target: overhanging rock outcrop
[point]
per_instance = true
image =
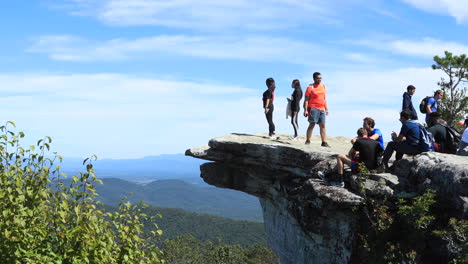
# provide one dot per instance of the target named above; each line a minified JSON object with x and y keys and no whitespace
{"x":305,"y":220}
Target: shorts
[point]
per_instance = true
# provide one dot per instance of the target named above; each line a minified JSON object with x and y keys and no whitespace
{"x":316,"y":115}
{"x":354,"y":167}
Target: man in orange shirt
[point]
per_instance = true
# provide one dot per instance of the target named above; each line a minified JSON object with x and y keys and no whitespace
{"x":315,"y":108}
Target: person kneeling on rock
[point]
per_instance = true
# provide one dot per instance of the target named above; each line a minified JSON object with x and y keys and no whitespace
{"x":364,"y":150}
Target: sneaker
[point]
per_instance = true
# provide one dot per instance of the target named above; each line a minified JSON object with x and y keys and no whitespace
{"x":272,"y":137}
{"x":307,"y":142}
{"x":321,"y":175}
{"x":325,"y":144}
{"x":337,"y":183}
{"x":295,"y":138}
{"x":340,"y":184}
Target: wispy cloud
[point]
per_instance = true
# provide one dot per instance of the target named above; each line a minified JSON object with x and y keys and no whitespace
{"x":206,"y":14}
{"x":426,"y":47}
{"x":455,"y":8}
{"x":250,"y":48}
{"x":115,"y":115}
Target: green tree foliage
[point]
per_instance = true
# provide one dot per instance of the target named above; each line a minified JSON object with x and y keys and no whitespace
{"x":456,"y":237}
{"x":454,"y":104}
{"x":42,"y":220}
{"x":401,"y":232}
{"x":186,"y":249}
{"x":176,"y":222}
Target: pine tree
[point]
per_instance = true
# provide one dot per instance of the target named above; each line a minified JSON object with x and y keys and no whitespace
{"x":454,"y":104}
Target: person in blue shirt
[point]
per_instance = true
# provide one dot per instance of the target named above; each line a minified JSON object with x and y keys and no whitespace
{"x":433,"y":103}
{"x":407,"y":103}
{"x":407,"y":142}
{"x":372,"y":133}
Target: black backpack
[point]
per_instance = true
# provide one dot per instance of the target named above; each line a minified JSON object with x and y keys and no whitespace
{"x":453,"y":139}
{"x":422,"y":105}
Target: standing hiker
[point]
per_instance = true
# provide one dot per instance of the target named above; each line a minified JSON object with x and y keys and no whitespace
{"x":268,"y":98}
{"x":408,"y":103}
{"x":315,"y":108}
{"x":295,"y":106}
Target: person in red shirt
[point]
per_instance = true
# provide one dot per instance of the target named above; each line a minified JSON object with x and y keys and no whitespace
{"x":315,"y":108}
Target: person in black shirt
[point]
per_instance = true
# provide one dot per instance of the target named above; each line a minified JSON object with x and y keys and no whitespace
{"x":407,"y":103}
{"x":295,"y":106}
{"x":438,"y":131}
{"x":368,"y":151}
{"x":268,"y":97}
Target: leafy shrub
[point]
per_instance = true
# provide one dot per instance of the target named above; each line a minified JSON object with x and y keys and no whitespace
{"x":42,"y":220}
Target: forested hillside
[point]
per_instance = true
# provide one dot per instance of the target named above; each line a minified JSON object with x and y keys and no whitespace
{"x":176,"y":222}
{"x":187,"y":196}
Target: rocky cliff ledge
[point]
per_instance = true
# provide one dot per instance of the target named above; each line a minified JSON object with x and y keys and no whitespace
{"x":305,"y":220}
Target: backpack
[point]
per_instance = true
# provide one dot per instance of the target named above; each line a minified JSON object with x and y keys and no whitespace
{"x":422,"y":105}
{"x":453,"y":139}
{"x":426,"y":140}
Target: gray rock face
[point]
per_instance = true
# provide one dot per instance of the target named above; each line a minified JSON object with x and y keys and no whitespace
{"x":448,"y":174}
{"x":305,"y":220}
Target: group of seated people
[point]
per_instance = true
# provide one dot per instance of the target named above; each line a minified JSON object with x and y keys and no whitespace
{"x":368,"y":147}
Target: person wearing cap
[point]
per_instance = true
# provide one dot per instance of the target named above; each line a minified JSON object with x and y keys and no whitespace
{"x":463,"y":146}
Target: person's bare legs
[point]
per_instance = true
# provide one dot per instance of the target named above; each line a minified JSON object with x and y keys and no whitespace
{"x":342,"y":159}
{"x":309,"y":132}
{"x":323,"y":132}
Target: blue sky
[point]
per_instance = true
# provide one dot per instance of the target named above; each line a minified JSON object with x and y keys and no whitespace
{"x":127,"y":79}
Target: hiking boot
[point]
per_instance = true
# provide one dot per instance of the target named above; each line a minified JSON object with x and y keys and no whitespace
{"x":325,"y":144}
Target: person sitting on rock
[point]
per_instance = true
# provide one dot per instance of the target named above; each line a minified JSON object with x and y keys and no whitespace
{"x":373,"y":133}
{"x":364,"y":150}
{"x":407,"y":142}
{"x":463,"y":146}
{"x":438,"y":128}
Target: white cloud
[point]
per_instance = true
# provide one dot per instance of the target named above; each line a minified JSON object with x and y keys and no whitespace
{"x":122,"y":116}
{"x":455,"y":8}
{"x":252,"y":48}
{"x":118,"y":116}
{"x":205,"y":14}
{"x":426,"y":47}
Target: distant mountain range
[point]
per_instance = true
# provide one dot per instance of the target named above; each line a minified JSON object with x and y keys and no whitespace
{"x":147,"y":169}
{"x":184,"y":195}
{"x":170,"y":181}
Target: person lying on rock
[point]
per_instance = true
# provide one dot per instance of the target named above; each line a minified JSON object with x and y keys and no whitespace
{"x":409,"y":141}
{"x":364,"y":150}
